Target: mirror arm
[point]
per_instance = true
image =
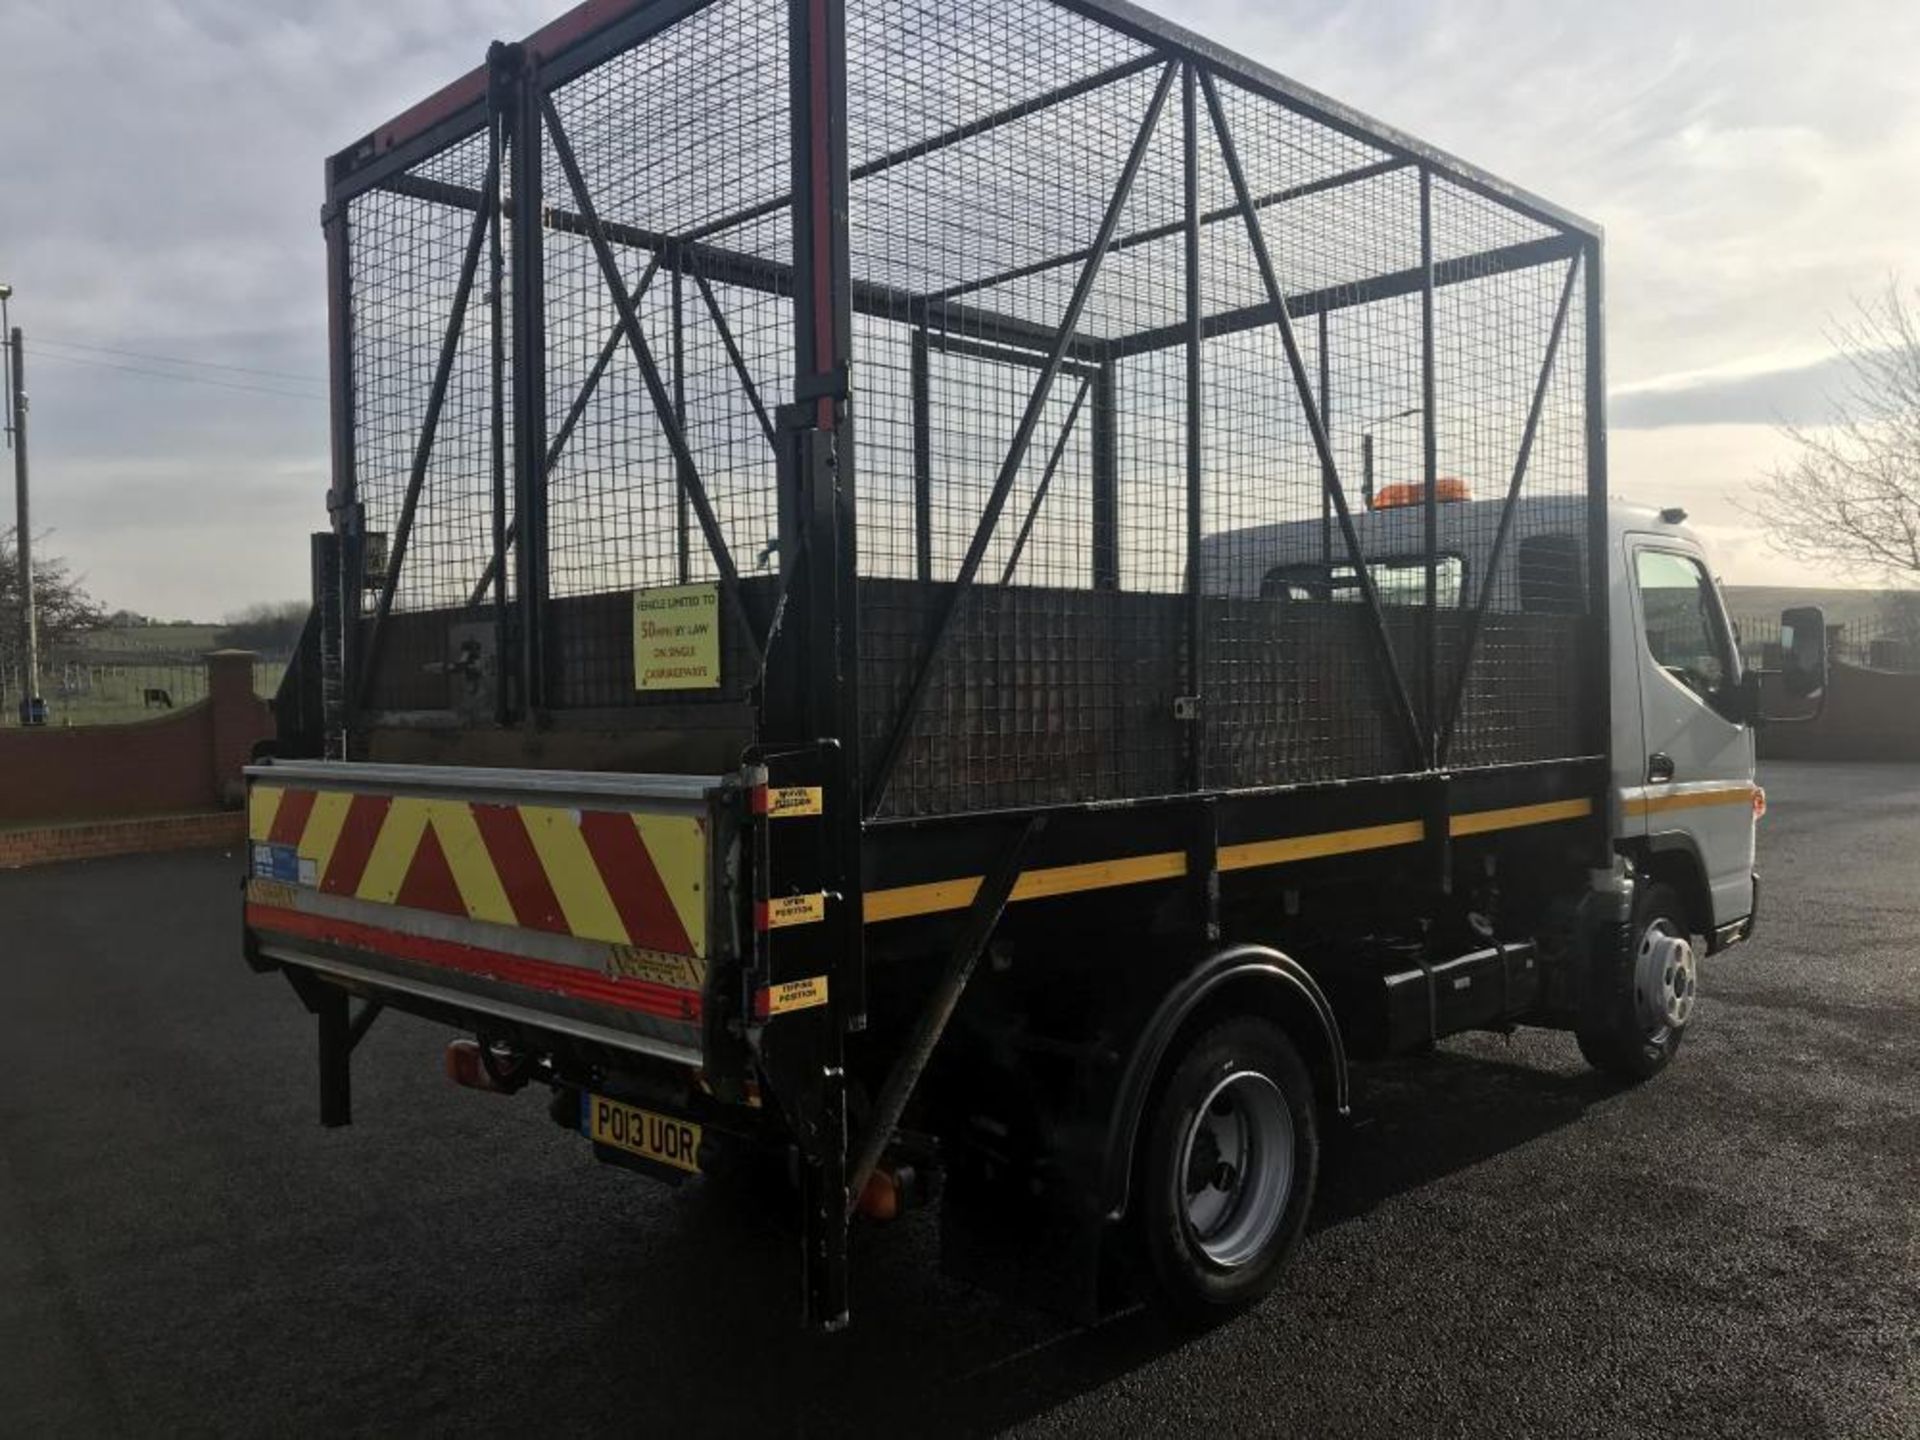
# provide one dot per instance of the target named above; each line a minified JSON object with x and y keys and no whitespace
{"x":1760,"y":718}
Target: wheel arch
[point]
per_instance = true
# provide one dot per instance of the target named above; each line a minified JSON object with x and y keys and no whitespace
{"x":1239,"y":980}
{"x":1672,"y":857}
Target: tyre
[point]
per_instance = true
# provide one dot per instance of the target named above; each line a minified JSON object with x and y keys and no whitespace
{"x":1641,"y":1002}
{"x":1227,"y":1173}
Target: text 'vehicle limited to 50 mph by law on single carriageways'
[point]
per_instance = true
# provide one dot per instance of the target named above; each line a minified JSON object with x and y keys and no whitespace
{"x":676,"y":638}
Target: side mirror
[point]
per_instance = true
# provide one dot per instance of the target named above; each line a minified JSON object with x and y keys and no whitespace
{"x":1803,"y":651}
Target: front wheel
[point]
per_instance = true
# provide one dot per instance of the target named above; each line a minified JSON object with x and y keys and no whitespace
{"x":1638,"y":1010}
{"x":1232,"y":1155}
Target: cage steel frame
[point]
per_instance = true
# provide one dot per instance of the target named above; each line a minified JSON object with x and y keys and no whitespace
{"x":802,"y":635}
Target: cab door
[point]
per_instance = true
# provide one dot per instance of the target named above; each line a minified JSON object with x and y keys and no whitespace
{"x":1698,"y":788}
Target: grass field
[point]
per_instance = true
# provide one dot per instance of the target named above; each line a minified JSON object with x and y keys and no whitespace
{"x":104,"y":678}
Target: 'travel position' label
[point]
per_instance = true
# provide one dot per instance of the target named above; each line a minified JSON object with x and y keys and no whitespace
{"x":787,"y":802}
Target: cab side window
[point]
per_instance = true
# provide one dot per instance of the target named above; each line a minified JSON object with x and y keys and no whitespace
{"x":1685,"y":631}
{"x":1399,"y":582}
{"x":1549,"y":569}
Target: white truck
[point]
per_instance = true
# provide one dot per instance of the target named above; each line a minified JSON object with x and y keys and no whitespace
{"x":857,"y":627}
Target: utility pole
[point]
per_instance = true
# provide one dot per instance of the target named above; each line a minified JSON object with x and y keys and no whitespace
{"x":33,"y":710}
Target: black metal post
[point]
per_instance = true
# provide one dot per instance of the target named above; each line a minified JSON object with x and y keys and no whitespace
{"x":683,"y":539}
{"x":1277,"y":308}
{"x":339,"y":640}
{"x":1430,"y":473}
{"x":1598,"y":703}
{"x":335,"y":1037}
{"x":812,"y":687}
{"x":497,"y":376}
{"x":529,"y":382}
{"x":922,"y":401}
{"x":1104,"y":521}
{"x":1196,"y":316}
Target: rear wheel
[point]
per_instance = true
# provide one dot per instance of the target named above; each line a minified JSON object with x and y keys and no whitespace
{"x":1642,"y":1002}
{"x":1232,"y":1153}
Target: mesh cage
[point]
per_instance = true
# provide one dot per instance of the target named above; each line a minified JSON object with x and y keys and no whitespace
{"x":408,"y":247}
{"x":1120,"y":533}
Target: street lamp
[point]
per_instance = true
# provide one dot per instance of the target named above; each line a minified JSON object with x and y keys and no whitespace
{"x":33,"y":710}
{"x":1366,"y":449}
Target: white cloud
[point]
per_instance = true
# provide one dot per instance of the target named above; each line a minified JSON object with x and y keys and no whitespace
{"x":1753,"y":164}
{"x":1707,"y":470}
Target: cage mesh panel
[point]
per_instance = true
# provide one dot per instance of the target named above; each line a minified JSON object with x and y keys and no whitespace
{"x":996,"y":231}
{"x":405,"y":254}
{"x":673,"y":136}
{"x":1045,"y":682}
{"x":1045,"y":696}
{"x":1522,"y":690}
{"x":1064,"y":664}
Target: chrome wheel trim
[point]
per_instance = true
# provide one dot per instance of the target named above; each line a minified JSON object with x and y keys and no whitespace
{"x":1236,"y":1169}
{"x":1666,"y":979}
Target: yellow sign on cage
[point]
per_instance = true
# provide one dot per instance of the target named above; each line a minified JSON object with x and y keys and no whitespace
{"x":676,"y":638}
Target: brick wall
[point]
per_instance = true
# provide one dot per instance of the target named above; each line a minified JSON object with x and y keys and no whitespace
{"x":189,"y":760}
{"x":1870,"y":715}
{"x":92,"y":839}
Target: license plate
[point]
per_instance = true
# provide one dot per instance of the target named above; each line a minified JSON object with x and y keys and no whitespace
{"x":664,"y":1139}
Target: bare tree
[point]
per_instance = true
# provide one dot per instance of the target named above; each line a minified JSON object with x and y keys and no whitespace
{"x":272,"y":628}
{"x":62,"y":607}
{"x":1851,"y":498}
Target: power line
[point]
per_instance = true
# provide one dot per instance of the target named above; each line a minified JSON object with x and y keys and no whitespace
{"x":177,"y":360}
{"x":312,"y":396}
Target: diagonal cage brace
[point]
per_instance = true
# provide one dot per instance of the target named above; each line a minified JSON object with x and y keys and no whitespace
{"x":1323,"y":446}
{"x":1022,"y":438}
{"x":687,"y":470}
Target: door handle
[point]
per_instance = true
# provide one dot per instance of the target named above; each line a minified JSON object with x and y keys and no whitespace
{"x":1659,"y":768}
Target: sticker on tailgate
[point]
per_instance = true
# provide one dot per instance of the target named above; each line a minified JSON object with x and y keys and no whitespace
{"x":283,"y":863}
{"x":631,"y":962}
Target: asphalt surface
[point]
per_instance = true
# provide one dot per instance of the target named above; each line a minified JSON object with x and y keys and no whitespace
{"x":1505,"y":1244}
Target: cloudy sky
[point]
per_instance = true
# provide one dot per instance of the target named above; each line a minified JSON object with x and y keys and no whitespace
{"x":1753,"y":163}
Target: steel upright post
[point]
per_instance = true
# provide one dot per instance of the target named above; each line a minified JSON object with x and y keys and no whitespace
{"x":1196,"y":340}
{"x":31,"y":711}
{"x":1430,"y":478}
{"x":528,"y":318}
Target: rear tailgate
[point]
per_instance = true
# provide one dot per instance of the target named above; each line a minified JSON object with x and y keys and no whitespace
{"x":587,"y":904}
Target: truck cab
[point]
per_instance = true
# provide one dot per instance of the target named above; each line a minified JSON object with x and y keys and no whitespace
{"x":1683,"y":796}
{"x":1683,"y":720}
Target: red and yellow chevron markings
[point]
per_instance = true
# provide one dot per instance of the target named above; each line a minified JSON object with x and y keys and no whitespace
{"x":623,"y":877}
